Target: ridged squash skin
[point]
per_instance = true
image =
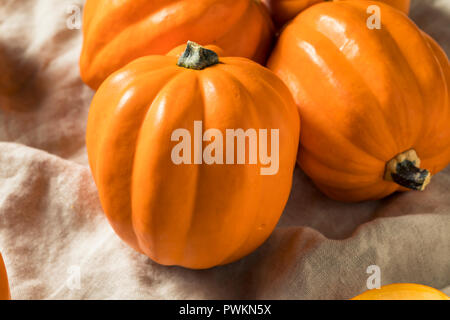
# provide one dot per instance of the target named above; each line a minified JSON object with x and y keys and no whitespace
{"x":403,"y":291}
{"x":4,"y":286}
{"x":285,"y":10}
{"x":366,"y":98}
{"x":195,"y":216}
{"x":117,"y":32}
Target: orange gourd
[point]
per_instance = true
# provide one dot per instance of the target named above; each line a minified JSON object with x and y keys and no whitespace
{"x":285,"y":10}
{"x":117,"y":32}
{"x":192,"y":215}
{"x":374,"y":103}
{"x":403,"y":291}
{"x":4,"y":286}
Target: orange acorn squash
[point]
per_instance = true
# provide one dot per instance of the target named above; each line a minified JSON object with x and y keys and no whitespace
{"x":4,"y":286}
{"x":117,"y":32}
{"x":193,"y":215}
{"x":374,"y":103}
{"x":403,"y":291}
{"x":285,"y":10}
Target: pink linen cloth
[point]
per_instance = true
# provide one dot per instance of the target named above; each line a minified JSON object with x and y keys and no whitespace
{"x":57,"y":244}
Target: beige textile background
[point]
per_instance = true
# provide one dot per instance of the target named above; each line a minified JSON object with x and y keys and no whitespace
{"x":51,"y":222}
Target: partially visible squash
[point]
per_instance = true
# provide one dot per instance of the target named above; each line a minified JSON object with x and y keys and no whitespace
{"x":285,"y":10}
{"x":4,"y":286}
{"x":117,"y":32}
{"x":374,"y":103}
{"x":403,"y":291}
{"x":193,"y":215}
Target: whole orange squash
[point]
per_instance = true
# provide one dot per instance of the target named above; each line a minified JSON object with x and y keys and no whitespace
{"x":403,"y":291}
{"x":374,"y":103}
{"x":117,"y":32}
{"x":285,"y":10}
{"x":4,"y":286}
{"x":192,"y":215}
